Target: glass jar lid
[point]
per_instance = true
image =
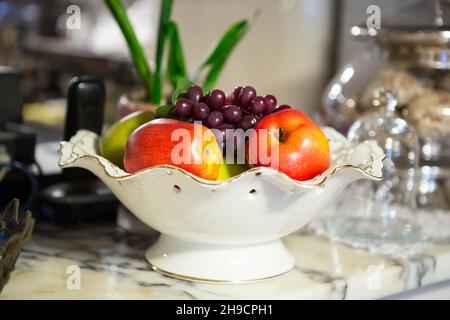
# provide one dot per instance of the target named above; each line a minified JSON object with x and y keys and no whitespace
{"x":424,"y":26}
{"x":427,"y":22}
{"x":429,"y":15}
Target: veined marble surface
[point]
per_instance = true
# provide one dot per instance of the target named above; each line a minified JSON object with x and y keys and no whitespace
{"x":112,"y":267}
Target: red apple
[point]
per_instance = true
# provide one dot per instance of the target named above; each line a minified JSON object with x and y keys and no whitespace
{"x":295,"y":145}
{"x":189,"y":146}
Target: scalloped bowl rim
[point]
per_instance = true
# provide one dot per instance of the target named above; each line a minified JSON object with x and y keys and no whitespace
{"x":317,"y":181}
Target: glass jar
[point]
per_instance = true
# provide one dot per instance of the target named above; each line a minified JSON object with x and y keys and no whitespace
{"x":381,"y":219}
{"x":411,"y":55}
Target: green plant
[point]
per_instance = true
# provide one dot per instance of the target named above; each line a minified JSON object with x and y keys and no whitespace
{"x":152,"y":80}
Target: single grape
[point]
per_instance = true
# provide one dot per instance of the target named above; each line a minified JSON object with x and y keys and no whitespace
{"x":216,"y":99}
{"x":183,"y":107}
{"x":258,"y":105}
{"x":236,"y":95}
{"x":195,"y":93}
{"x":282,"y":107}
{"x":215,"y":119}
{"x":270,"y":98}
{"x":232,"y":114}
{"x":200,"y":111}
{"x":247,"y":121}
{"x":247,"y":95}
{"x":270,"y":103}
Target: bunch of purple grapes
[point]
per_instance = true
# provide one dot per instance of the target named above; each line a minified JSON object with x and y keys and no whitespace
{"x":242,"y":109}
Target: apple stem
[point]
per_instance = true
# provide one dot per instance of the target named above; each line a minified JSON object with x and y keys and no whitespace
{"x":281,"y":134}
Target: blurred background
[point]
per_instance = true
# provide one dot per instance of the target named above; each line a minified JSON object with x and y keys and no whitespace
{"x":292,"y":50}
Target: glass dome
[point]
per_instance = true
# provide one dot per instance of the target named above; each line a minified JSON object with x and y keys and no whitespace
{"x":411,"y":55}
{"x":382,"y":219}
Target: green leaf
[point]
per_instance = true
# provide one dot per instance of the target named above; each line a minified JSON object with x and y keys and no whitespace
{"x":164,"y":18}
{"x":176,"y":66}
{"x":183,"y":85}
{"x":164,"y":111}
{"x":221,"y":52}
{"x":213,"y":75}
{"x":226,"y":44}
{"x":118,"y":10}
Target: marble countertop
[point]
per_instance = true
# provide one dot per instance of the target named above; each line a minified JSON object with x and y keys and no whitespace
{"x":111,"y":266}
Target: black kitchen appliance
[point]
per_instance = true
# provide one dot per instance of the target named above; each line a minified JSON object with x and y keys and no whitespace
{"x":81,"y":197}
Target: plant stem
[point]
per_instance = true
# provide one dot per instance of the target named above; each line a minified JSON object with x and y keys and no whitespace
{"x":176,"y":65}
{"x":118,"y":10}
{"x":166,"y":9}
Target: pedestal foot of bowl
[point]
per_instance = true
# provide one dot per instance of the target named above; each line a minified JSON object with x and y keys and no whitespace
{"x":217,"y":263}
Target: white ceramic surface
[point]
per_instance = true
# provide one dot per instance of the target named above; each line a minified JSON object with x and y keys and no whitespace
{"x":224,"y":231}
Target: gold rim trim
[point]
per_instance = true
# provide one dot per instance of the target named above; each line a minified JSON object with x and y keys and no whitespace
{"x":261,"y":170}
{"x":313,"y":183}
{"x":203,"y":280}
{"x":321,"y":179}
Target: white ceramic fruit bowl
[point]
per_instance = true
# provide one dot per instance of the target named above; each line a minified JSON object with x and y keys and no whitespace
{"x":224,"y":231}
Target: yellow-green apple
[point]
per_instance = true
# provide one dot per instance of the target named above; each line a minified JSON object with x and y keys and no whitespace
{"x":290,"y":142}
{"x":189,"y":146}
{"x":113,"y":141}
{"x":229,"y":170}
